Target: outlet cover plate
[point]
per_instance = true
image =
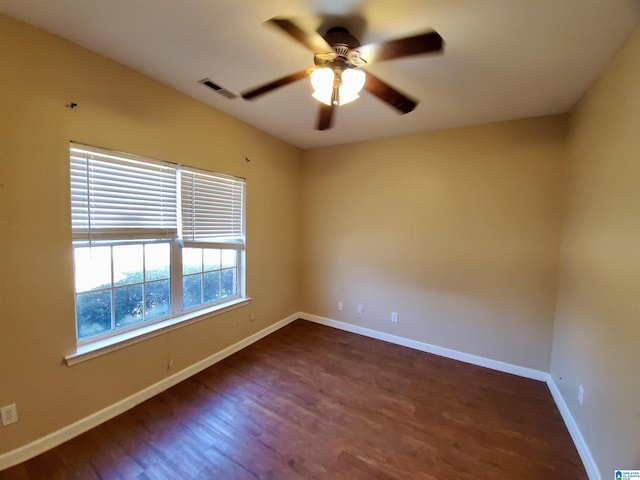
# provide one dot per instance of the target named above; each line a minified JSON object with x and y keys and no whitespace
{"x":9,"y":414}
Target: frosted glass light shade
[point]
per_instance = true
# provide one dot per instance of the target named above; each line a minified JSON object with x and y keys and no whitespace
{"x":322,"y":83}
{"x":351,"y":82}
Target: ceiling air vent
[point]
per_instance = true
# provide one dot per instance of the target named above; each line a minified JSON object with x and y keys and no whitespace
{"x":218,"y":89}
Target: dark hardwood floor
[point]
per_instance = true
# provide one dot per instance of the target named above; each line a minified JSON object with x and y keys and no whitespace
{"x":312,"y":402}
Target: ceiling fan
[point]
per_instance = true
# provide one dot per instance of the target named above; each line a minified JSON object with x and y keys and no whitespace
{"x":337,"y":76}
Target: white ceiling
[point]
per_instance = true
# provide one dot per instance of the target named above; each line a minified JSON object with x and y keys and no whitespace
{"x":503,"y":59}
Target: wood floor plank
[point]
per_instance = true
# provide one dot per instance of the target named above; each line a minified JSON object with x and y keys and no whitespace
{"x":313,"y":402}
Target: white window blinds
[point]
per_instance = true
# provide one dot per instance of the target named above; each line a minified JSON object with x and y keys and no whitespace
{"x":212,"y":209}
{"x":119,"y":196}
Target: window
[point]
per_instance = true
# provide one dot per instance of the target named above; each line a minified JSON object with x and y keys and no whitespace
{"x":152,"y":240}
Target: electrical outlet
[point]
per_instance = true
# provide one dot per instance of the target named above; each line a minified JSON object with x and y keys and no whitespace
{"x":9,"y":414}
{"x":394,"y":317}
{"x":360,"y":309}
{"x":340,"y":306}
{"x":580,"y":394}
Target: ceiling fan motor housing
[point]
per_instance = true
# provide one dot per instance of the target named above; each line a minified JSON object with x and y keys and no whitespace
{"x":341,"y":36}
{"x":344,"y":53}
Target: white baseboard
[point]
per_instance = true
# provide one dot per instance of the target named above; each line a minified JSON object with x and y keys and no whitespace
{"x":583,"y":449}
{"x":426,"y":347}
{"x":58,"y":437}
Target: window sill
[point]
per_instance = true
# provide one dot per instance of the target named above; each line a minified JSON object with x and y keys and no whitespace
{"x":101,"y":347}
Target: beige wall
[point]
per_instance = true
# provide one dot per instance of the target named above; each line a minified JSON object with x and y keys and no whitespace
{"x":597,"y":332}
{"x":457,"y":231}
{"x":119,"y":109}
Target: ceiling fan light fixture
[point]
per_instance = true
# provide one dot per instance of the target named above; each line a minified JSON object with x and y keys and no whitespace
{"x":349,"y":81}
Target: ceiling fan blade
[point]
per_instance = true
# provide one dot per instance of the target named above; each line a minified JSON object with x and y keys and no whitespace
{"x":325,"y":117}
{"x":281,"y":82}
{"x":388,"y":94}
{"x":312,"y":41}
{"x":429,"y":42}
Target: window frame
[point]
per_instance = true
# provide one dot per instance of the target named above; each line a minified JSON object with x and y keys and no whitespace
{"x":178,"y":315}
